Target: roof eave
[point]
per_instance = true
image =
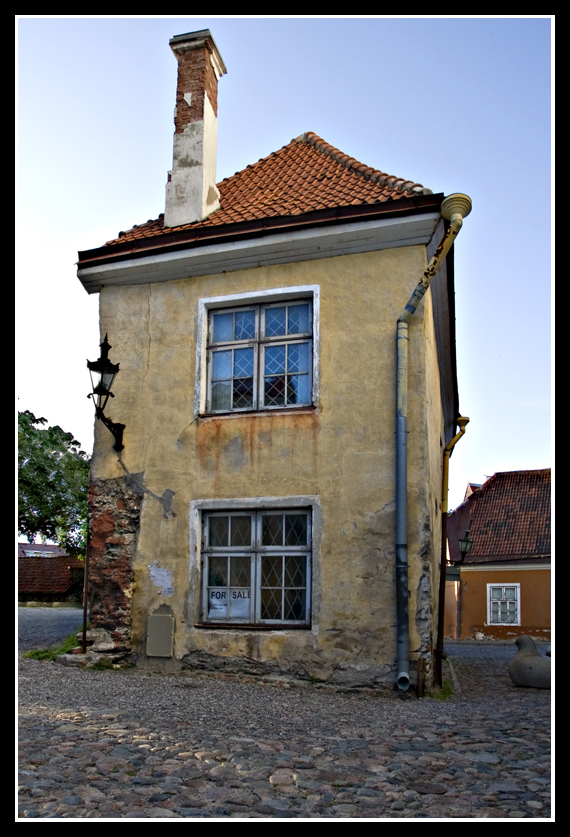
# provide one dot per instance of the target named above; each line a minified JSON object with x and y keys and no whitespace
{"x":201,"y":236}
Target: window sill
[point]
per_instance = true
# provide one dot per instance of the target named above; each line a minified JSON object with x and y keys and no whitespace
{"x":252,"y":627}
{"x":308,"y":411}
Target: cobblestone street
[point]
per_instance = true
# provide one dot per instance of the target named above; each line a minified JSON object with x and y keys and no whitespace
{"x":129,"y":744}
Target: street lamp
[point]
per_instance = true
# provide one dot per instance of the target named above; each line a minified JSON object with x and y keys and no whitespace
{"x":465,"y":544}
{"x":103,"y":373}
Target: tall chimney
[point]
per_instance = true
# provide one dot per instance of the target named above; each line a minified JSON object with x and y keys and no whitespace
{"x":191,"y":193}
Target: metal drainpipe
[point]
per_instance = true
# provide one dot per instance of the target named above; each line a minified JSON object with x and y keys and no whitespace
{"x":453,"y":208}
{"x":462,"y":421}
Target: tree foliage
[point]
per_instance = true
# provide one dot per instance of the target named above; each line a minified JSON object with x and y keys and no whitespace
{"x":53,"y":477}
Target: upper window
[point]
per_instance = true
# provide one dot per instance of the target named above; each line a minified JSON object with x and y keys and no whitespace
{"x":260,"y":357}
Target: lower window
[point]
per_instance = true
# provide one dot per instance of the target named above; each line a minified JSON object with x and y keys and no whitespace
{"x":503,"y":604}
{"x":256,"y":567}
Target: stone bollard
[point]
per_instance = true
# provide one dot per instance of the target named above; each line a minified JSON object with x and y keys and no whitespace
{"x":528,"y":667}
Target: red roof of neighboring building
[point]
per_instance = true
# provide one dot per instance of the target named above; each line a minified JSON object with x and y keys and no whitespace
{"x":45,"y":574}
{"x":306,"y":175}
{"x":508,"y":518}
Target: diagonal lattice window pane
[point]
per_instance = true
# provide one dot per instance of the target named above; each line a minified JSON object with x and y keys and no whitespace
{"x":245,"y":325}
{"x":298,"y":357}
{"x":294,"y":605}
{"x":240,"y":532}
{"x":271,"y":604}
{"x":298,"y":389}
{"x":275,"y":322}
{"x":243,"y":393}
{"x":295,"y":529}
{"x":243,"y":363}
{"x":272,"y":530}
{"x":275,"y":391}
{"x":219,"y":531}
{"x":271,"y":571}
{"x":298,"y":319}
{"x":295,"y":570}
{"x":240,"y":571}
{"x":274,"y":360}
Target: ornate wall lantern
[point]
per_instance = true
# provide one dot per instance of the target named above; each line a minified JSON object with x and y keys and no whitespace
{"x":465,"y":544}
{"x":103,"y":373}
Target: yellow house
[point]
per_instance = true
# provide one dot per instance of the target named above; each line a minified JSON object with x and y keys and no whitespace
{"x":276,"y":507}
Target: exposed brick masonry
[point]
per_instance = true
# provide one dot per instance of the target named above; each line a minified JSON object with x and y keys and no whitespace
{"x":195,"y":75}
{"x":114,"y":521}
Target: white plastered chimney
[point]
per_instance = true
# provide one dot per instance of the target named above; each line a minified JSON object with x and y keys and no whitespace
{"x":191,"y":192}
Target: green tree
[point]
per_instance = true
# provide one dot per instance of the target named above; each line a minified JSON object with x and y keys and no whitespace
{"x":53,"y":477}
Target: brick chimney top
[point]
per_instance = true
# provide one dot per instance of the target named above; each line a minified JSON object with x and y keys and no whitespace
{"x":191,"y":193}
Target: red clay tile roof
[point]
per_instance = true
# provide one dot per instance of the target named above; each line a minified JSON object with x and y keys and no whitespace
{"x":508,"y":518}
{"x":50,"y":574}
{"x":306,"y":175}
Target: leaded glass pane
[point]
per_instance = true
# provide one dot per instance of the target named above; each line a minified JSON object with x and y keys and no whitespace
{"x":240,"y":532}
{"x":271,"y":604}
{"x":295,"y":529}
{"x":222,"y":365}
{"x":240,"y":571}
{"x":223,"y":327}
{"x":298,"y":357}
{"x":243,"y":393}
{"x":294,"y":605}
{"x":245,"y":325}
{"x":295,"y":567}
{"x":243,"y":363}
{"x":272,"y":530}
{"x":298,"y":319}
{"x":275,"y":391}
{"x":221,"y":395}
{"x":217,"y":571}
{"x":298,"y":389}
{"x":274,"y":360}
{"x":275,"y":322}
{"x":271,"y":570}
{"x":219,"y":531}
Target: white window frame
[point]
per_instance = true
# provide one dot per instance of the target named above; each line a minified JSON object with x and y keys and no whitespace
{"x":256,"y":552}
{"x":495,"y":584}
{"x":197,"y":579}
{"x":260,"y":299}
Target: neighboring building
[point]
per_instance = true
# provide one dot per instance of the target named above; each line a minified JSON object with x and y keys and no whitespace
{"x":249,"y":522}
{"x":47,"y":574}
{"x":502,"y":588}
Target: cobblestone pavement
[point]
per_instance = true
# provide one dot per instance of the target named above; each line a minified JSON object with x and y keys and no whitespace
{"x":129,"y":744}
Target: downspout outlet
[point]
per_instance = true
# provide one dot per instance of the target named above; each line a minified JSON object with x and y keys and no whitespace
{"x":457,"y":204}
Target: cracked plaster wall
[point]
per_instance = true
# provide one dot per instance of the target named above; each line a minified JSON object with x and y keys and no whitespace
{"x":343,"y":453}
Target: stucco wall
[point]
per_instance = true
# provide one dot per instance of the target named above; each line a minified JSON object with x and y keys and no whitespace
{"x":534,"y":603}
{"x":341,"y":453}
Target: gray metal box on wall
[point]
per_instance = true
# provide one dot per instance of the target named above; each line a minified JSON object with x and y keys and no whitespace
{"x":159,"y":635}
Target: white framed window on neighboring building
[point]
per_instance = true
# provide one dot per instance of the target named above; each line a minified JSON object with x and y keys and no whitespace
{"x":256,"y":567}
{"x":258,"y":351}
{"x":503,"y":604}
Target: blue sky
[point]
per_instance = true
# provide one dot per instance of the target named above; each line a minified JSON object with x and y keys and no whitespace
{"x":458,"y":104}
